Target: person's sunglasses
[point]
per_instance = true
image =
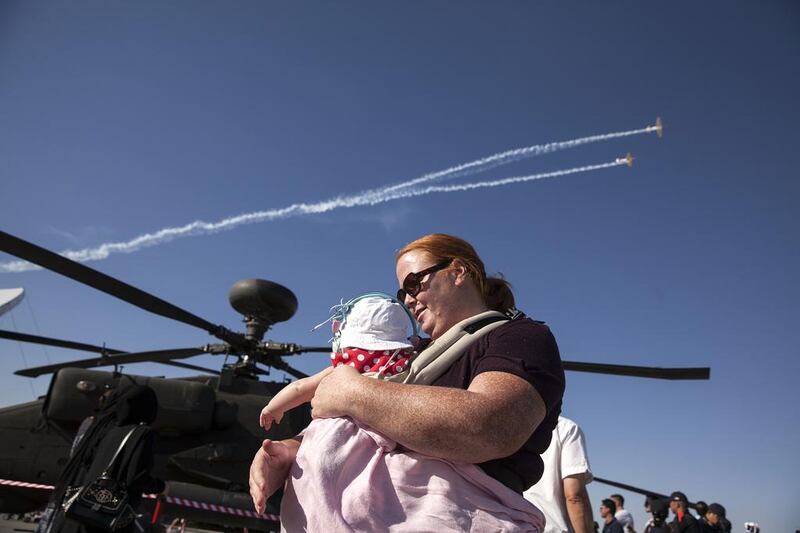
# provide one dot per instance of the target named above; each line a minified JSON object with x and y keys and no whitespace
{"x":413,"y":282}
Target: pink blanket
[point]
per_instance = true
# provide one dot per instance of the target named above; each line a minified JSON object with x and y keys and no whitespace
{"x":350,"y":478}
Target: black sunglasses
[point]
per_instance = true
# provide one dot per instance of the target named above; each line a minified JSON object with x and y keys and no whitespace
{"x":413,"y":282}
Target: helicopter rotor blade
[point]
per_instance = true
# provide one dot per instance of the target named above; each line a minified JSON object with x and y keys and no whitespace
{"x":630,"y":488}
{"x":280,"y":364}
{"x":49,"y":341}
{"x":639,"y":371}
{"x":270,"y":353}
{"x":157,"y":356}
{"x":190,"y":367}
{"x":643,"y":492}
{"x":114,"y":287}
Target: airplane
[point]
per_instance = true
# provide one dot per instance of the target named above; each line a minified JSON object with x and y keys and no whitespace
{"x":659,"y":127}
{"x":628,"y":160}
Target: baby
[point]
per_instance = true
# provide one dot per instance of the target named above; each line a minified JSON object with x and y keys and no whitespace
{"x":370,"y":334}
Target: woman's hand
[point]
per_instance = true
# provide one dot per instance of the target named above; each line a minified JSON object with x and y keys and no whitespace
{"x":270,"y":468}
{"x":335,"y":393}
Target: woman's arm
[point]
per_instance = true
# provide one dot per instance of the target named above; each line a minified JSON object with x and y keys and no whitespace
{"x":491,"y":419}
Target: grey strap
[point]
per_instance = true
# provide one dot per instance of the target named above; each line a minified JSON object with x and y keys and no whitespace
{"x":434,"y":361}
{"x":119,"y":449}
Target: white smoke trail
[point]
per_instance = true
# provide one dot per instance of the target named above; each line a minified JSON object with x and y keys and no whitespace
{"x":201,"y":228}
{"x":510,"y":156}
{"x":365,"y":198}
{"x":498,"y":182}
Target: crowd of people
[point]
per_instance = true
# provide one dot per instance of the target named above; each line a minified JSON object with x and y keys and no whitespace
{"x":561,"y":495}
{"x":710,"y":518}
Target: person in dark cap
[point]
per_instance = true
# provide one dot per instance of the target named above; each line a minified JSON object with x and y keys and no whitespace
{"x":659,"y":508}
{"x":701,"y":507}
{"x":126,"y":408}
{"x":684,"y":522}
{"x":715,"y":518}
{"x":607,"y":510}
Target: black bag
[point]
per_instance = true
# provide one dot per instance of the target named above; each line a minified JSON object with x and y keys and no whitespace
{"x":103,"y":503}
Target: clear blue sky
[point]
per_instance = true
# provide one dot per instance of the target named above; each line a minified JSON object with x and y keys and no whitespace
{"x":119,"y":119}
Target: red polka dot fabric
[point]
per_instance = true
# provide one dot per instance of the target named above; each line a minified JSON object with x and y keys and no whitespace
{"x":384,"y":362}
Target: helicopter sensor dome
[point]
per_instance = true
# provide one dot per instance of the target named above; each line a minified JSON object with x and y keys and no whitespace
{"x":263,"y":299}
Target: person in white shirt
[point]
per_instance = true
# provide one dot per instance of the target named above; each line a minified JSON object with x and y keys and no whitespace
{"x":561,"y":492}
{"x":623,"y":517}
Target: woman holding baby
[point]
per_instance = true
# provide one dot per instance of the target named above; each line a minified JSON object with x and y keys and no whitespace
{"x":456,"y":443}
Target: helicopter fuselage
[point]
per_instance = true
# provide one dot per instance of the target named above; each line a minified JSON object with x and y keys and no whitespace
{"x":207,"y":430}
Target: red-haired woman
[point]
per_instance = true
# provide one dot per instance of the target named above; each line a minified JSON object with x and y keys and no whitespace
{"x":493,"y":404}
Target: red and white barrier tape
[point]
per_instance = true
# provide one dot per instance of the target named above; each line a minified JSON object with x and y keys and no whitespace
{"x":12,"y":483}
{"x":169,"y":499}
{"x":219,"y":508}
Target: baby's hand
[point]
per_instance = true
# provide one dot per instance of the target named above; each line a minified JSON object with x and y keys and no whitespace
{"x":268,"y":416}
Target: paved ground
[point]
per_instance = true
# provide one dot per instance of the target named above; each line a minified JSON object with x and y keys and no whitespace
{"x":8,"y":526}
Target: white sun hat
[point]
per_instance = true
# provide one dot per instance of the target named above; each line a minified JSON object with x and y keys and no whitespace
{"x":375,"y":323}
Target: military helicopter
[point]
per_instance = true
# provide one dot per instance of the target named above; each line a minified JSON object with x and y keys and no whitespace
{"x":207,"y":426}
